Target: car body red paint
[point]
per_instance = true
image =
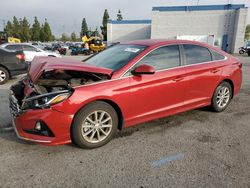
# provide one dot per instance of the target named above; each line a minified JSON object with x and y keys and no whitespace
{"x":139,"y":98}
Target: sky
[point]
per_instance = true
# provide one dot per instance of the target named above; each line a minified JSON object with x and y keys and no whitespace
{"x":65,"y":16}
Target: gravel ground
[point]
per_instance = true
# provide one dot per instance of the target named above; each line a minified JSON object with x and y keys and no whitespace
{"x":198,"y":148}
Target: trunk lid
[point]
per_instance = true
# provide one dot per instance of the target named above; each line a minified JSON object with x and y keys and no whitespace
{"x":41,"y":64}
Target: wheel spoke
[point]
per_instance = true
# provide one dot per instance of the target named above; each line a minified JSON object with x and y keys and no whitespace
{"x":92,"y":135}
{"x":96,"y":116}
{"x":98,"y":134}
{"x":106,"y":126}
{"x":90,"y":121}
{"x":88,"y":132}
{"x":104,"y":121}
{"x":87,"y":126}
{"x":103,"y":131}
{"x":101,"y":117}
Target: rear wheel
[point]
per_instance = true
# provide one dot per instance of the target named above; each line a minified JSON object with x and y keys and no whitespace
{"x":222,"y":97}
{"x":241,"y":52}
{"x":4,"y":75}
{"x":94,"y":125}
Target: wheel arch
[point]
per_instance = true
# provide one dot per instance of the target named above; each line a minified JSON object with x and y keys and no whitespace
{"x":6,"y":69}
{"x":231,"y":84}
{"x":111,"y":103}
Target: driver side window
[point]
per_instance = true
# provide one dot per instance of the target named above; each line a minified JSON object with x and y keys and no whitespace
{"x":162,"y":58}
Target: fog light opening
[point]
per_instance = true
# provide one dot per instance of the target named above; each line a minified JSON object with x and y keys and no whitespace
{"x":38,"y":126}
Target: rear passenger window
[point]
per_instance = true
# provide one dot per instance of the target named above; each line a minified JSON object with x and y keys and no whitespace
{"x":13,"y":47}
{"x":196,"y":54}
{"x":163,"y":58}
{"x":217,"y":56}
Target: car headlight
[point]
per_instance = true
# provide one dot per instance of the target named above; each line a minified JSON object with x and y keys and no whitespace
{"x":46,"y":100}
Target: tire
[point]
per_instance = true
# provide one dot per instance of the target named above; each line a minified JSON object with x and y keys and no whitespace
{"x":86,"y":132}
{"x":222,"y":97}
{"x":4,"y":75}
{"x":248,"y":53}
{"x":241,"y":52}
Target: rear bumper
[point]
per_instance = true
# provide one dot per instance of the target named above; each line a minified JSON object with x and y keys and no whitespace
{"x":58,"y":123}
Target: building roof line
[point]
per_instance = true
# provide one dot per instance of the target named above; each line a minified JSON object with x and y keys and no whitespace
{"x":199,"y":7}
{"x":130,"y":22}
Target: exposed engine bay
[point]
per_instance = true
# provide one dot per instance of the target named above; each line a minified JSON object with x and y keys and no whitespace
{"x":52,"y":84}
{"x":59,"y":80}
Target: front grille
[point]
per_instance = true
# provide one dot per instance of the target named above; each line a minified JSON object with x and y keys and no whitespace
{"x":14,"y":106}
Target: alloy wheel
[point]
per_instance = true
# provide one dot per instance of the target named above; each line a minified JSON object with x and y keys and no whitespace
{"x":97,"y":126}
{"x":223,"y":97}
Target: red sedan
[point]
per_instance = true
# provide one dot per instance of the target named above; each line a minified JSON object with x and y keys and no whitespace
{"x":62,"y":101}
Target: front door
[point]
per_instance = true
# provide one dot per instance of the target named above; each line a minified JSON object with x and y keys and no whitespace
{"x":159,"y":94}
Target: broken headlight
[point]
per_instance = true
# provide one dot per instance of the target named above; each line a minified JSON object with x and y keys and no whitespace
{"x":46,"y":100}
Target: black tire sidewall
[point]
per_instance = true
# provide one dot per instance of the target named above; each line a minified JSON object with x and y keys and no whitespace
{"x":76,"y":134}
{"x":241,"y":52}
{"x":214,"y":99}
{"x":7,"y":75}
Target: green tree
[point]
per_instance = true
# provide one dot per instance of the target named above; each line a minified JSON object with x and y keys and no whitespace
{"x":35,"y":30}
{"x":42,"y":34}
{"x":73,"y":37}
{"x":119,"y":15}
{"x":104,"y":24}
{"x":64,"y":37}
{"x":247,"y":33}
{"x":9,"y":29}
{"x":47,"y":31}
{"x":24,"y":30}
{"x":16,"y":28}
{"x":84,"y":28}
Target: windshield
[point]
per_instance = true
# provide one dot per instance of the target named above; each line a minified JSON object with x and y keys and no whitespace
{"x":116,"y":56}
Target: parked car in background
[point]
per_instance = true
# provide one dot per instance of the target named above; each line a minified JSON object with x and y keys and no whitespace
{"x":63,"y":101}
{"x":11,"y":63}
{"x":58,"y":47}
{"x":29,"y":50}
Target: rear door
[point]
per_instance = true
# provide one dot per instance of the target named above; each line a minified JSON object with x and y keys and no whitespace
{"x":203,"y":74}
{"x":155,"y":95}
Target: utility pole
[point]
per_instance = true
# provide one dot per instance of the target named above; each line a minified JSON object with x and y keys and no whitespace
{"x":3,"y":22}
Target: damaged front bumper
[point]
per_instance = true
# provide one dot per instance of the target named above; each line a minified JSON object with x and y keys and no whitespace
{"x":44,"y":126}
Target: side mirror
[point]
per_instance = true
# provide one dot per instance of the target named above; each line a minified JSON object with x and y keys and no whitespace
{"x":143,"y":69}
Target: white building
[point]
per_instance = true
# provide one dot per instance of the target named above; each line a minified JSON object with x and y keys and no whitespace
{"x":220,"y":25}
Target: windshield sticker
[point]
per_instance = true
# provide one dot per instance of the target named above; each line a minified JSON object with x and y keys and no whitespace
{"x":133,"y":50}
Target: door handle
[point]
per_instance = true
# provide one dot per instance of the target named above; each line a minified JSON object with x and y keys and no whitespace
{"x":178,"y":79}
{"x":215,"y":70}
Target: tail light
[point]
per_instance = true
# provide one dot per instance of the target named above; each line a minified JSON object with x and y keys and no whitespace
{"x":21,"y":57}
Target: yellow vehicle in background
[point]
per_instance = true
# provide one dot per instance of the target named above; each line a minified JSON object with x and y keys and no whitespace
{"x":4,"y":38}
{"x":93,"y":43}
{"x":13,"y":40}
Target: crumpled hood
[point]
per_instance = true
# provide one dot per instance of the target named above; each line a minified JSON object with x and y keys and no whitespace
{"x":40,"y":64}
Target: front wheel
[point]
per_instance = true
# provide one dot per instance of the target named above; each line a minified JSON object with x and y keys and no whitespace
{"x":94,"y":125}
{"x":222,"y":97}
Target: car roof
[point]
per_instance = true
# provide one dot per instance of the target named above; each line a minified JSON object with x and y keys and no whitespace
{"x":160,"y":42}
{"x":157,"y":42}
{"x":7,"y":44}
